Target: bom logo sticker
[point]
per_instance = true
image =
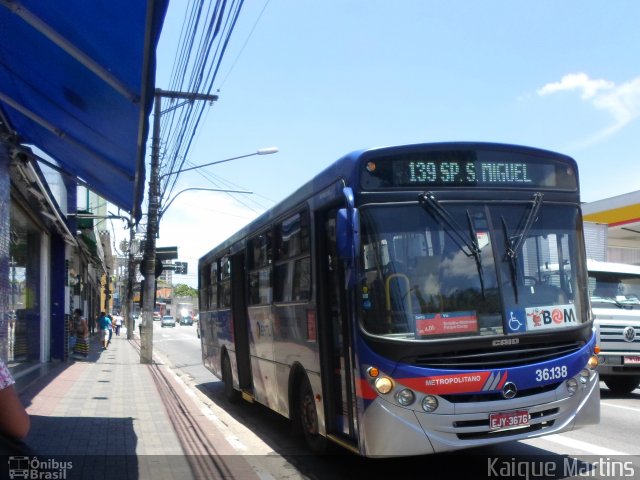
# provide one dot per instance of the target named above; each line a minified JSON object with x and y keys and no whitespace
{"x":546,"y":318}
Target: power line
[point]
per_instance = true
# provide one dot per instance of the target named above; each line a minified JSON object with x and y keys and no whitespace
{"x":246,"y":42}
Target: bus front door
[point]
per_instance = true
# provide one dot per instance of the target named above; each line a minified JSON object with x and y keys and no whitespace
{"x":240,"y":322}
{"x":334,"y":328}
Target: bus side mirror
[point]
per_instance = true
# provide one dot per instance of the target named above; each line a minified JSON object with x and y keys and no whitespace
{"x":343,"y":243}
{"x":347,"y":233}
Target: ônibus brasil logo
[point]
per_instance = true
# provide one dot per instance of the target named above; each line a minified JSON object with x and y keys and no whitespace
{"x":34,"y":468}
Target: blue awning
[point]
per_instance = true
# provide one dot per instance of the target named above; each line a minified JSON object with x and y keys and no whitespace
{"x":77,"y":80}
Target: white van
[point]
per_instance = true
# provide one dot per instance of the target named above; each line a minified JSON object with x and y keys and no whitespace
{"x":614,"y":289}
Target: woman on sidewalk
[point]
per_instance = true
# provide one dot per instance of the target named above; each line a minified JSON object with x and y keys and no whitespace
{"x":81,"y":348}
{"x":105,"y":327}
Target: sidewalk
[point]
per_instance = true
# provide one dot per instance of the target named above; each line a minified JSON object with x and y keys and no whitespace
{"x":112,"y":417}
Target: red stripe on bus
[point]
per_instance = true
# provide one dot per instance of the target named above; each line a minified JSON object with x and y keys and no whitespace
{"x":365,"y":390}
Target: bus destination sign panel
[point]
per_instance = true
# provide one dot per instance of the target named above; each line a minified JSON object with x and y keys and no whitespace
{"x":467,"y":168}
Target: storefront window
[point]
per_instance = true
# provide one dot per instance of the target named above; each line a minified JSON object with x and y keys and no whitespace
{"x":23,"y":335}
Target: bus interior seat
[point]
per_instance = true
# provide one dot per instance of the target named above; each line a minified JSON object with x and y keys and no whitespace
{"x":543,"y":294}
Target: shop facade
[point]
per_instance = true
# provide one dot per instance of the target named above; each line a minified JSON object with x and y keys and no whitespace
{"x":46,"y":271}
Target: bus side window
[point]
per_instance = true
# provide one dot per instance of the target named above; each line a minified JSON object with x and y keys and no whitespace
{"x":292,"y":270}
{"x":213,"y":286}
{"x":260,"y":275}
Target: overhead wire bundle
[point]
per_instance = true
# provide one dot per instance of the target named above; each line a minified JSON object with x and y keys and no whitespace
{"x":206,"y":31}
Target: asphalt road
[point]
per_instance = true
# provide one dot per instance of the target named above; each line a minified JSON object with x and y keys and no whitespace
{"x":608,"y":450}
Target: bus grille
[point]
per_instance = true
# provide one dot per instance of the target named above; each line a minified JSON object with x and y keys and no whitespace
{"x":468,"y":359}
{"x":496,"y":396}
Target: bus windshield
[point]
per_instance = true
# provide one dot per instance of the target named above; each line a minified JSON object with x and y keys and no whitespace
{"x":434,"y":271}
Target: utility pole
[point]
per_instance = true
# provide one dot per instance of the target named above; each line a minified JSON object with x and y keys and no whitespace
{"x":131,"y":278}
{"x":149,"y":261}
{"x":107,"y":291}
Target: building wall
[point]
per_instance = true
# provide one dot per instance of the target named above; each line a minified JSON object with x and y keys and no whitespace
{"x":624,"y":255}
{"x":595,"y":239}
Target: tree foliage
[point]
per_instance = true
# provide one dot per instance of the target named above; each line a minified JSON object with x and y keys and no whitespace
{"x":183,"y":290}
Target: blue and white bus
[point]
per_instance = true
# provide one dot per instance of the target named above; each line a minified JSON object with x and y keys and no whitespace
{"x":396,"y":304}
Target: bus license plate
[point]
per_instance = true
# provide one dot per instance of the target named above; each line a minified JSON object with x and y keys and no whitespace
{"x":516,"y":418}
{"x":631,"y":360}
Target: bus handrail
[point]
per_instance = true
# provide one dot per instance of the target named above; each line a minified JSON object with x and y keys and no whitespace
{"x":387,"y":291}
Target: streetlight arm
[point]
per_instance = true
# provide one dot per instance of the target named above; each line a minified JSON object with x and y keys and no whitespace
{"x":166,"y":207}
{"x":260,"y":151}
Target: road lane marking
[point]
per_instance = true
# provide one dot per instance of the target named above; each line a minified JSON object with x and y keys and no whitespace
{"x":607,"y":404}
{"x":584,"y":446}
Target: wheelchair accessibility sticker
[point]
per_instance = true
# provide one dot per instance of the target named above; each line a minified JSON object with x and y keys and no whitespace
{"x":516,"y":321}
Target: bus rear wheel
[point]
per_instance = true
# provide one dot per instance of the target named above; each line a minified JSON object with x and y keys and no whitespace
{"x":622,"y":384}
{"x":227,"y":379}
{"x":309,"y":418}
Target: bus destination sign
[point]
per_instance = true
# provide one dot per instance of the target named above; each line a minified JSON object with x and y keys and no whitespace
{"x":468,"y":173}
{"x":467,"y":168}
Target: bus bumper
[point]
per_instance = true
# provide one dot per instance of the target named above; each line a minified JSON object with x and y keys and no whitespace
{"x":390,"y":430}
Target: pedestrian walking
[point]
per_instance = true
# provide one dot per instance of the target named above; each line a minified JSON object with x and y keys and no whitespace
{"x":111,"y":327}
{"x":118,"y":324}
{"x":72,"y":334}
{"x":81,"y":329}
{"x":105,"y":327}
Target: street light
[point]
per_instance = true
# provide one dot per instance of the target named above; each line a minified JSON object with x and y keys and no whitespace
{"x":153,"y":222}
{"x":166,"y":207}
{"x":260,"y":151}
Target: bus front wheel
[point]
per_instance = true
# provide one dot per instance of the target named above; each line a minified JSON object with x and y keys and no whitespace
{"x":227,"y":379}
{"x":308,"y":416}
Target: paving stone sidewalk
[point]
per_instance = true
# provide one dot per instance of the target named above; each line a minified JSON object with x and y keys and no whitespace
{"x":106,"y":415}
{"x":110,"y":417}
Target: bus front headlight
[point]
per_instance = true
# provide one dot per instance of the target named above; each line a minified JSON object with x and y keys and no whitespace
{"x":584,"y":376}
{"x":572,"y":386}
{"x":429,"y":403}
{"x":405,"y":397}
{"x":383,"y":385}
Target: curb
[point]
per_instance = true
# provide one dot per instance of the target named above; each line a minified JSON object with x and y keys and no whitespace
{"x":208,"y":452}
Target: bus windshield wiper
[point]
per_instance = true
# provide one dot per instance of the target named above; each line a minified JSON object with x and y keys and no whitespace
{"x":471,"y":248}
{"x":514,"y":242}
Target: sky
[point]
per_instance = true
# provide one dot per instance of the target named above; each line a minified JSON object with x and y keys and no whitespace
{"x":319,"y":79}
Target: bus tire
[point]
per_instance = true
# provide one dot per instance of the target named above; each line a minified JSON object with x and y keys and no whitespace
{"x":230,"y":393}
{"x":622,"y":384}
{"x":308,"y":418}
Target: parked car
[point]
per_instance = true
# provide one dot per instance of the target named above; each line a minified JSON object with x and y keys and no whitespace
{"x":168,"y":321}
{"x":186,"y":320}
